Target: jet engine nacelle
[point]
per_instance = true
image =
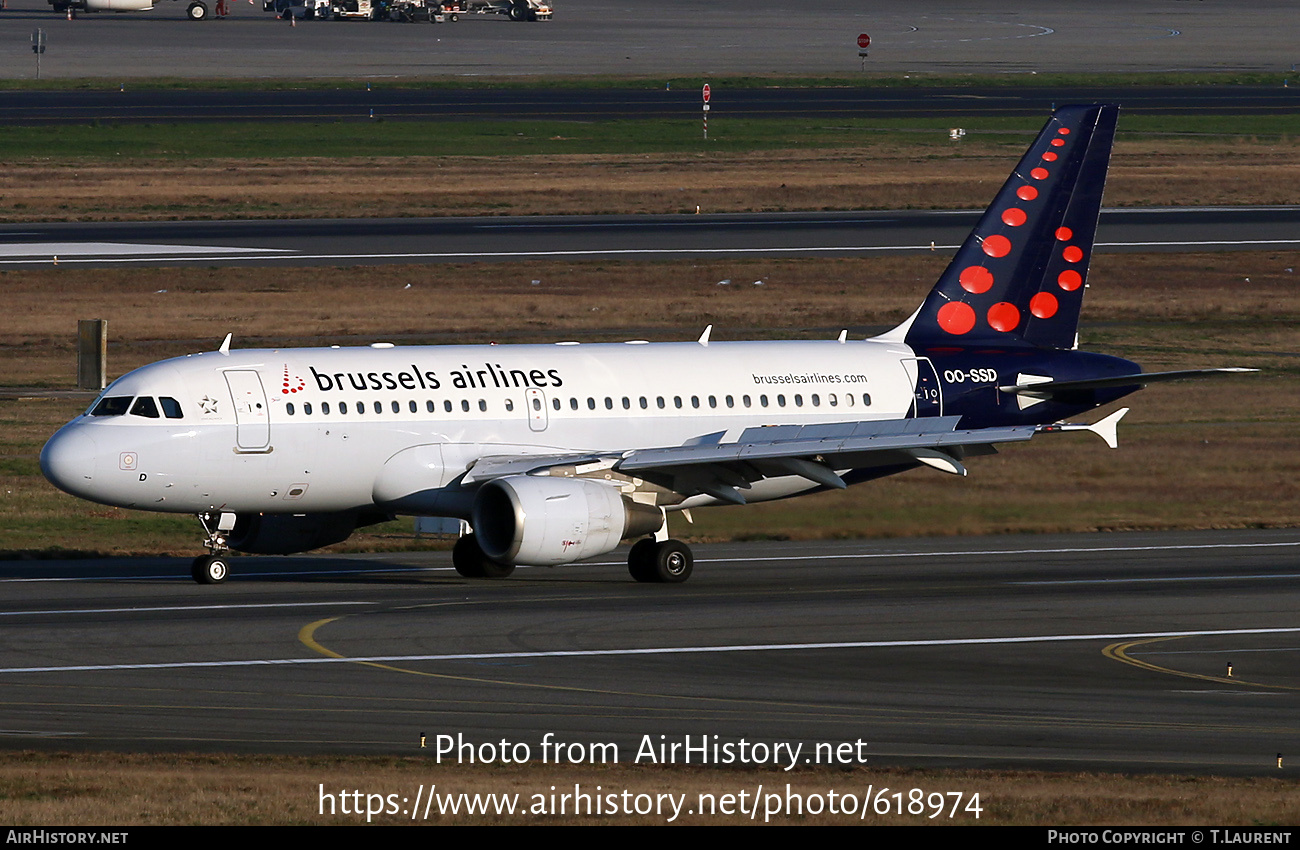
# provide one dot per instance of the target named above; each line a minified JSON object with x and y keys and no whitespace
{"x":286,"y":534}
{"x":541,"y":521}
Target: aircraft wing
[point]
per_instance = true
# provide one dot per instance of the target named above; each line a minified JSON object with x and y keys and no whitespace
{"x":722,"y":468}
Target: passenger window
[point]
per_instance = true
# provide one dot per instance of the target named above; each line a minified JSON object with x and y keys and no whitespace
{"x":780,"y":400}
{"x":866,"y":400}
{"x":677,"y":402}
{"x":306,"y":408}
{"x":446,"y":405}
{"x":831,"y":398}
{"x":361,"y":407}
{"x":464,"y":405}
{"x":428,"y":406}
{"x":591,"y":403}
{"x":573,"y":404}
{"x":763,"y":400}
{"x":609,"y":403}
{"x":482,"y":405}
{"x":627,"y":403}
{"x":798,"y":400}
{"x":288,"y":408}
{"x":695,"y":401}
{"x":171,"y":408}
{"x":713,"y":401}
{"x":745,"y":400}
{"x":146,"y":407}
{"x":731,"y":402}
{"x":343,"y":407}
{"x":645,"y":403}
{"x":816,"y":400}
{"x":325,"y":408}
{"x":555,"y":403}
{"x":379,"y":407}
{"x":660,"y":401}
{"x":413,"y":407}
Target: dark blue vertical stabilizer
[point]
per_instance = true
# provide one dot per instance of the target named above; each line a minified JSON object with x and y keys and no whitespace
{"x":1019,"y":277}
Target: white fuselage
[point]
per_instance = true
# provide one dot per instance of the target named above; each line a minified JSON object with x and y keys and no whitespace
{"x":318,"y":430}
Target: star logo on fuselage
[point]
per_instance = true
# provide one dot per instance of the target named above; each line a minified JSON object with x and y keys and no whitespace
{"x":209,"y":405}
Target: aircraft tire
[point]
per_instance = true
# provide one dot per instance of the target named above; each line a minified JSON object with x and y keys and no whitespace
{"x":470,"y":561}
{"x":209,"y":569}
{"x":640,"y":559}
{"x":518,"y":12}
{"x":197,"y":11}
{"x":673,"y":562}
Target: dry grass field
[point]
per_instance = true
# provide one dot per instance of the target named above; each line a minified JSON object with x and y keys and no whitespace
{"x":148,"y":790}
{"x":927,"y":173}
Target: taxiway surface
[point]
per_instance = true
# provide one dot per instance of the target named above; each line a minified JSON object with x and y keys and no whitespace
{"x":435,"y":240}
{"x":674,"y":38}
{"x":1104,"y":651}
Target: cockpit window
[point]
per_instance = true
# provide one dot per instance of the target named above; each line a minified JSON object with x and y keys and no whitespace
{"x":145,"y":406}
{"x":171,"y":407}
{"x":116,"y":405}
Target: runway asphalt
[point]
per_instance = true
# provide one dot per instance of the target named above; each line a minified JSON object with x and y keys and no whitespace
{"x":675,"y":39}
{"x":434,"y":240}
{"x":1103,"y":651}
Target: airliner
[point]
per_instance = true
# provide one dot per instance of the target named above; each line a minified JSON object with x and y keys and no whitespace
{"x":556,"y":453}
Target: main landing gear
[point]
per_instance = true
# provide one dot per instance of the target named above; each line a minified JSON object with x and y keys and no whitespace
{"x":650,"y":560}
{"x":213,"y":568}
{"x":666,"y":561}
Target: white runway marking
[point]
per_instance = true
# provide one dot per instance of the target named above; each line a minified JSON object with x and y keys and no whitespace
{"x":42,"y":250}
{"x":665,"y":650}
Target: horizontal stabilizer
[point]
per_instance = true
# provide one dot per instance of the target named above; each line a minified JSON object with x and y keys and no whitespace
{"x":1050,"y":389}
{"x":1107,"y":429}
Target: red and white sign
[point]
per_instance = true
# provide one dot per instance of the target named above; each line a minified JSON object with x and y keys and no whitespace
{"x":707,"y":92}
{"x":864,"y":41}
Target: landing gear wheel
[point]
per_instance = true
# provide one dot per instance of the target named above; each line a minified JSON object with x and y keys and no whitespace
{"x":640,"y":559}
{"x":209,"y":569}
{"x":197,"y":11}
{"x":519,"y":12}
{"x":470,"y":561}
{"x":669,"y":562}
{"x":673,"y":562}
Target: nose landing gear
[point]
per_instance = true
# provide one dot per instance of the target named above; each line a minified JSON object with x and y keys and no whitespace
{"x":213,"y":568}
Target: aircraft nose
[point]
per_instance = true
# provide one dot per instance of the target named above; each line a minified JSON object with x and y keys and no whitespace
{"x":68,"y":461}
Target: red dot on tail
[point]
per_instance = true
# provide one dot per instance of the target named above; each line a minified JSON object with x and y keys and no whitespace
{"x":1069,"y":280}
{"x":1072,"y":254}
{"x":1014,"y":216}
{"x":956,"y":317}
{"x":975,"y":279}
{"x":1026,"y":193}
{"x":1039,"y":174}
{"x":1043,"y":305}
{"x":1003,"y":316}
{"x":1049,"y":157}
{"x":997,"y":246}
{"x":1064,"y":131}
{"x":1056,"y":143}
{"x":1064,"y":234}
